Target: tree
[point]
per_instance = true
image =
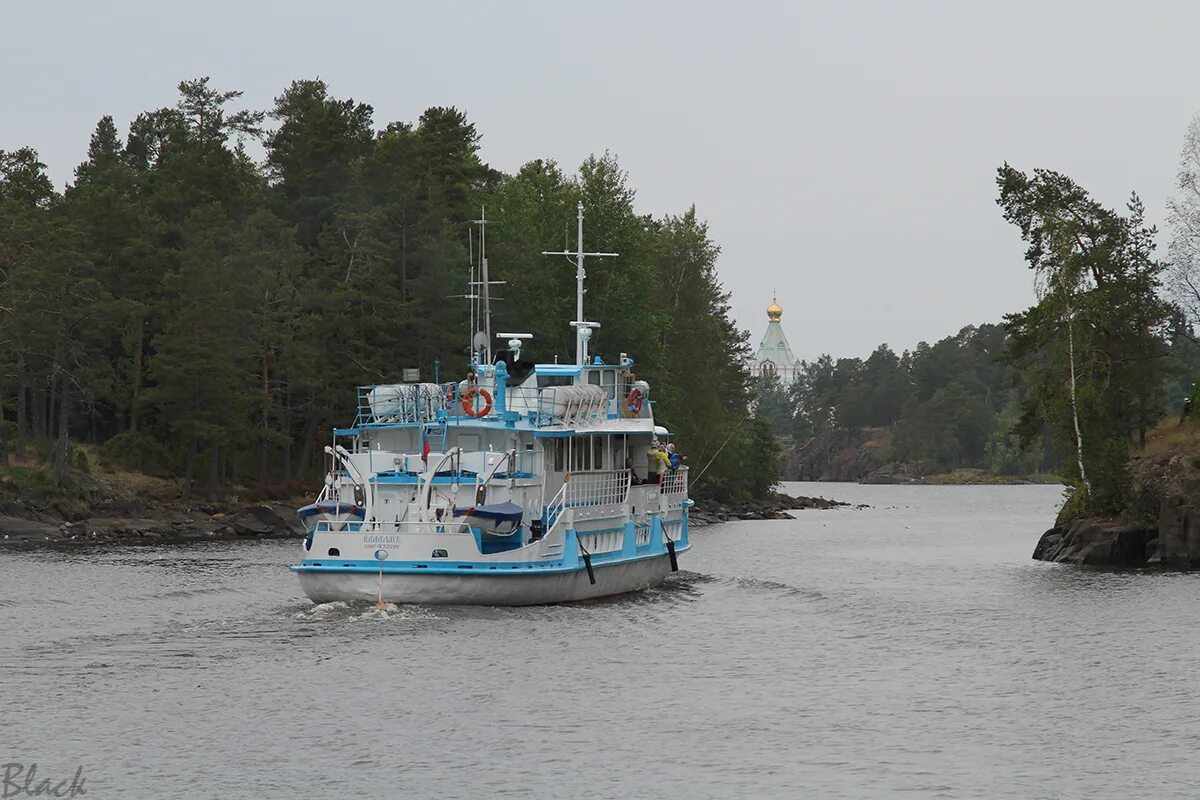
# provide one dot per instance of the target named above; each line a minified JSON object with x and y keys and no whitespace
{"x":1092,"y":349}
{"x":705,"y":396}
{"x":202,"y":371}
{"x":190,"y":305}
{"x":312,"y":154}
{"x":1182,"y":276}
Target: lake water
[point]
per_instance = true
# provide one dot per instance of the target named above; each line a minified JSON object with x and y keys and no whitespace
{"x":911,"y":648}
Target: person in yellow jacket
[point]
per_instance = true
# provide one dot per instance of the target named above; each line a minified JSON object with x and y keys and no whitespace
{"x":656,"y":462}
{"x":661,"y":462}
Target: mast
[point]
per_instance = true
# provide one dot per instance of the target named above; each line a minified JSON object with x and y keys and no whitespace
{"x":583,"y":328}
{"x":483,"y":279}
{"x":480,"y":295}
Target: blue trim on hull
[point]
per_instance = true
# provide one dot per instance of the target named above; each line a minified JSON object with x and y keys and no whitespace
{"x":326,"y":565}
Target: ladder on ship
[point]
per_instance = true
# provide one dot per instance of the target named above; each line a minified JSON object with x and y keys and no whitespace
{"x":435,"y":434}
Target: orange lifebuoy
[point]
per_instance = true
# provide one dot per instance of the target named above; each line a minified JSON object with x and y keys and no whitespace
{"x":633,"y":402}
{"x":451,"y":393}
{"x":468,"y":402}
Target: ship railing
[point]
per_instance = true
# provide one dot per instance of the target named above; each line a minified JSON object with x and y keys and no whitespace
{"x":620,"y":396}
{"x":523,"y":399}
{"x":528,"y":464}
{"x":555,"y":508}
{"x":399,"y":403}
{"x":674,"y":487}
{"x":402,"y":528}
{"x":490,"y":464}
{"x":597,"y":488}
{"x":675,"y":481}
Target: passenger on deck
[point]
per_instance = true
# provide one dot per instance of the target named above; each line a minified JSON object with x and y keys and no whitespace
{"x":674,"y":460}
{"x":662,"y":464}
{"x":652,"y":462}
{"x":634,"y":480}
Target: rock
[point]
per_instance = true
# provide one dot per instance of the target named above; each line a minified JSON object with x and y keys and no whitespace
{"x":1179,"y":528}
{"x":890,"y":473}
{"x":262,"y":521}
{"x":1153,"y":553}
{"x":774,"y":506}
{"x":24,"y":529}
{"x":1097,"y":542}
{"x":123,"y":526}
{"x":1048,"y":543}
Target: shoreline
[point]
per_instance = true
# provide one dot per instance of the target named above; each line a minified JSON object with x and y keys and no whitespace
{"x":273,"y":520}
{"x":153,"y":526}
{"x":775,"y":506}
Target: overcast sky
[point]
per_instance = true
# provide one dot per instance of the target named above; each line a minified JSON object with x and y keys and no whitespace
{"x":843,"y":153}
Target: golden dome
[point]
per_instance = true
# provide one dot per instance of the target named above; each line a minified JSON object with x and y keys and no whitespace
{"x":774,"y":311}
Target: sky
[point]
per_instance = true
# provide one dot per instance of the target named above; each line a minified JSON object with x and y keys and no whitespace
{"x":843,"y":153}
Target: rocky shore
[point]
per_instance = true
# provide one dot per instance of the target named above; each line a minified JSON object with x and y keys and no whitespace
{"x":1162,"y":530}
{"x":776,"y":506}
{"x":132,"y":508}
{"x":267,"y":520}
{"x":125,"y":510}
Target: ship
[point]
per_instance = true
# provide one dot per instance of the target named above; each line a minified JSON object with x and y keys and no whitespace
{"x":523,"y":483}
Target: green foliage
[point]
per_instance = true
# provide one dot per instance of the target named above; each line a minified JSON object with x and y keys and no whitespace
{"x":948,"y":405}
{"x":29,"y":482}
{"x":1094,"y":349}
{"x":1006,"y":453}
{"x":951,"y":428}
{"x":137,"y":452}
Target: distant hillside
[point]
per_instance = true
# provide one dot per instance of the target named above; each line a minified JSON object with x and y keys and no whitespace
{"x":868,"y":458}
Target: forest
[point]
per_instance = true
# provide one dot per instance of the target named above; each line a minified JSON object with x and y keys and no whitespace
{"x":1070,"y":386}
{"x":187,"y":309}
{"x":940,"y":407}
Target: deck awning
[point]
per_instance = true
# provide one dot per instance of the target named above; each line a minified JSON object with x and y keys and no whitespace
{"x":557,"y":370}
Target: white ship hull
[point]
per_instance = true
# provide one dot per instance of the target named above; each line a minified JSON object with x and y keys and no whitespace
{"x":488,"y":590}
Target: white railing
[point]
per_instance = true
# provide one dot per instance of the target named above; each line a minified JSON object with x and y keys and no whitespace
{"x":480,"y":462}
{"x":555,"y":508}
{"x":674,"y":482}
{"x":399,"y":403}
{"x":402,"y":528}
{"x":597,"y":487}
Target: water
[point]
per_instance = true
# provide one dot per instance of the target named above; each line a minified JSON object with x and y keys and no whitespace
{"x":912,"y":648}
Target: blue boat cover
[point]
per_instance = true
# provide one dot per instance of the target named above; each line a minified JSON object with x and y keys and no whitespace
{"x":500,"y":512}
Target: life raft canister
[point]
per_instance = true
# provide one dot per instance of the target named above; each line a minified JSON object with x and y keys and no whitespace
{"x":634,"y":401}
{"x":468,"y":402}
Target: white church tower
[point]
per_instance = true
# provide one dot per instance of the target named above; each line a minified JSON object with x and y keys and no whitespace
{"x":775,"y":355}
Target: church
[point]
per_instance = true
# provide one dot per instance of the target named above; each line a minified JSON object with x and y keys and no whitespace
{"x":774,"y":356}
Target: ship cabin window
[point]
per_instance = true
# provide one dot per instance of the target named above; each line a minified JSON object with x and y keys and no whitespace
{"x":598,"y":452}
{"x":560,"y":455}
{"x":555,"y":380}
{"x":604,"y":378}
{"x":581,"y":455}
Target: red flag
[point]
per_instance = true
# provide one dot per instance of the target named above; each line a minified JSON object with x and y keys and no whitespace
{"x":424,"y":447}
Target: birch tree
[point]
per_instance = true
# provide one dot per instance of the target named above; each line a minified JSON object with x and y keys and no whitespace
{"x":1092,"y":349}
